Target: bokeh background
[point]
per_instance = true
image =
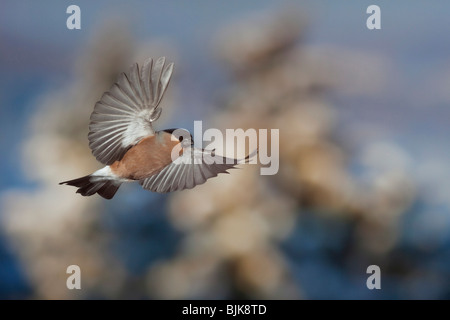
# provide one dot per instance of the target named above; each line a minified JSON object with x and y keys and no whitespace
{"x":364,"y":156}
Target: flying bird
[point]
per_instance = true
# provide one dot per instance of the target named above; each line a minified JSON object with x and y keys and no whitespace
{"x":121,"y":136}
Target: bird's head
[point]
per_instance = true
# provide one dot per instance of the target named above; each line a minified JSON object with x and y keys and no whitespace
{"x":182,"y":135}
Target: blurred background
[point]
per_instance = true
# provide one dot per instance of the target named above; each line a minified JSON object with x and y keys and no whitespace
{"x":364,"y":158}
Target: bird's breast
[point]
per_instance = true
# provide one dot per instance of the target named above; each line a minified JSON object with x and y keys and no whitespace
{"x":146,"y":158}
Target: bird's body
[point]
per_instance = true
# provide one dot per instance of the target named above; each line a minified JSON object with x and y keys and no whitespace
{"x":122,"y":137}
{"x":141,"y":161}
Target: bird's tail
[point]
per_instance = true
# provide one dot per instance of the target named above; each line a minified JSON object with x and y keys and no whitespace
{"x":89,"y":185}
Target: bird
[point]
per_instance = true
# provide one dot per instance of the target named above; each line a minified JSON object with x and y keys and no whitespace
{"x":121,"y":136}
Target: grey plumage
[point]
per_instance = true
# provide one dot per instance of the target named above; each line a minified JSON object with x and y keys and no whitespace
{"x":124,"y":114}
{"x":193,"y":168}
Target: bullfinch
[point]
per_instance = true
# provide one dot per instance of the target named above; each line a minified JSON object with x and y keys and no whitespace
{"x":121,"y":136}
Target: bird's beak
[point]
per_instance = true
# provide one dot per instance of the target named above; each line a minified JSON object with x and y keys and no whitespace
{"x":186,"y":143}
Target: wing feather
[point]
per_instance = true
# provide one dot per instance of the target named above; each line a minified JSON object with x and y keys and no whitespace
{"x":187,"y":171}
{"x":125,"y":113}
{"x":145,"y":80}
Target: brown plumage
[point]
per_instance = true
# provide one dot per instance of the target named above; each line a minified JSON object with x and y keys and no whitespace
{"x":142,"y":161}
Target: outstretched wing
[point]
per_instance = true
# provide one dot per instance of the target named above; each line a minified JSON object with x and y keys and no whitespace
{"x":194,"y":167}
{"x":125,"y":113}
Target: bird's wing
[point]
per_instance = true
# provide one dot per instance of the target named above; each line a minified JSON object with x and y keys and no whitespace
{"x":194,"y":167}
{"x":125,"y":113}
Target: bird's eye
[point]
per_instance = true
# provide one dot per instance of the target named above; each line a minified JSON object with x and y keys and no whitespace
{"x":180,"y":138}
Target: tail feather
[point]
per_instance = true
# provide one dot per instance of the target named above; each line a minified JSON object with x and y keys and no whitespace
{"x":108,"y":190}
{"x":91,"y":188}
{"x":87,"y":186}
